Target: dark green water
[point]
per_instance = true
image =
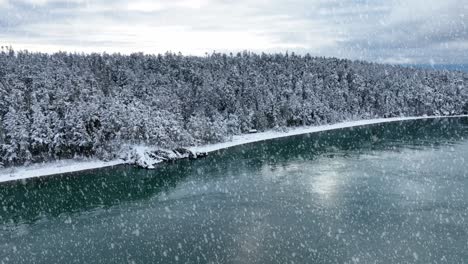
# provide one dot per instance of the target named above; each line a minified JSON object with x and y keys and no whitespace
{"x":390,"y":193}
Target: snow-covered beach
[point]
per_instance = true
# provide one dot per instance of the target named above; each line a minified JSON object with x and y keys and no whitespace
{"x":67,"y":166}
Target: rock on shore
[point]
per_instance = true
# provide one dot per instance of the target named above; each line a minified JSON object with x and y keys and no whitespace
{"x":147,"y":157}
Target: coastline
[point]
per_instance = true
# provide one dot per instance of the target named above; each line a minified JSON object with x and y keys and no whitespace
{"x":68,"y":166}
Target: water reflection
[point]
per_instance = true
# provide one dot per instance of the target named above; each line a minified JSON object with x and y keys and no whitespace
{"x":387,"y":193}
{"x":326,"y":183}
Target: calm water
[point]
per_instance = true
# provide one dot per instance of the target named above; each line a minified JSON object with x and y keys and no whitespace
{"x":391,"y":193}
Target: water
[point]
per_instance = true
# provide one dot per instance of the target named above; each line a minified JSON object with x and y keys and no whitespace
{"x":389,"y":193}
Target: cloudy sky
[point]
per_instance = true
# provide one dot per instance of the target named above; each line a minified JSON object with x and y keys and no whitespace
{"x":394,"y":31}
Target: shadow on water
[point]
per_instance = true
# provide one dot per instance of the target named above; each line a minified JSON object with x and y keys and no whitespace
{"x":28,"y":200}
{"x":417,"y":134}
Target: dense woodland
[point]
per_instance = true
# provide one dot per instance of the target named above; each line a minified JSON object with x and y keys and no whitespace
{"x":66,"y":105}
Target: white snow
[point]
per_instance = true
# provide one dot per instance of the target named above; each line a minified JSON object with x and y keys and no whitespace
{"x":249,"y":138}
{"x":140,"y":156}
{"x":52,"y":168}
{"x":66,"y":166}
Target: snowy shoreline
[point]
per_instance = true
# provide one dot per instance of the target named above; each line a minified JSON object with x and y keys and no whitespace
{"x":68,"y":166}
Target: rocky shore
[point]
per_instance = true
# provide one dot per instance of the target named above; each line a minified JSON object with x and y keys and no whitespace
{"x":148,"y":158}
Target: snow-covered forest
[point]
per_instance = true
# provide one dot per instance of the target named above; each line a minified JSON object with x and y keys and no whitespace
{"x":66,"y":105}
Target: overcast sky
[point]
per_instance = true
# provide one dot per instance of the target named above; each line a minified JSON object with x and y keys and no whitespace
{"x":403,"y":31}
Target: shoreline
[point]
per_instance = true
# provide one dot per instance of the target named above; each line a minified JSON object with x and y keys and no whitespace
{"x":69,"y":166}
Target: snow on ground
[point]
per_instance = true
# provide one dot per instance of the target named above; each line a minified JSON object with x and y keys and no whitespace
{"x":52,"y":168}
{"x":249,"y":138}
{"x":65,"y":166}
{"x":139,"y":155}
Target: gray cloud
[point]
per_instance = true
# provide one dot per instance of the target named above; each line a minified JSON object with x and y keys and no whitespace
{"x":414,"y":31}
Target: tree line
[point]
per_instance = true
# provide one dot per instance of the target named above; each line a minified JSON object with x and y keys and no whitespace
{"x":67,"y":105}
